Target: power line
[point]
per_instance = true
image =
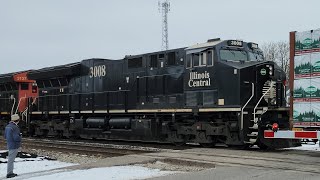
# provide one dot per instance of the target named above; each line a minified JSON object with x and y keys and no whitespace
{"x":164,"y":8}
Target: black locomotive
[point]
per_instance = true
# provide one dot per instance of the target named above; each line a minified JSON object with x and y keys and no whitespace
{"x":215,"y":92}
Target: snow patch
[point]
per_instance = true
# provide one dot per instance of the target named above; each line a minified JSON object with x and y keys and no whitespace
{"x":40,"y":168}
{"x":22,"y":166}
{"x":116,"y":172}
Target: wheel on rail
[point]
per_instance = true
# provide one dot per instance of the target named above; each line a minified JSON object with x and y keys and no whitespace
{"x":315,"y":141}
{"x":262,"y":146}
{"x":207,"y":145}
{"x":179,"y":143}
{"x":240,"y":147}
{"x":246,"y":146}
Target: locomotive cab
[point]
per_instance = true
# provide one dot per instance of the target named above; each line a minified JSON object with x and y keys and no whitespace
{"x":26,"y":89}
{"x":232,"y":76}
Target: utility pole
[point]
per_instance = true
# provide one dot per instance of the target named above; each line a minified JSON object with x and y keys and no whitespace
{"x":164,"y":8}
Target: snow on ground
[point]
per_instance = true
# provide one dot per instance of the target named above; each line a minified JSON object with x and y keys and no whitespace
{"x":310,"y":146}
{"x":40,"y":168}
{"x":108,"y":173}
{"x":22,"y":166}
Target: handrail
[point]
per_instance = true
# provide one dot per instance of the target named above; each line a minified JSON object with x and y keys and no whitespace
{"x":252,"y":94}
{"x":24,"y":113}
{"x":14,"y":103}
{"x":254,"y":110}
{"x":20,"y":102}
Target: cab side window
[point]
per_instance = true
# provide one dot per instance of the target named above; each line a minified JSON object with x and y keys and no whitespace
{"x":195,"y":59}
{"x":204,"y":58}
{"x":210,"y":57}
{"x":189,"y":61}
{"x":24,"y":86}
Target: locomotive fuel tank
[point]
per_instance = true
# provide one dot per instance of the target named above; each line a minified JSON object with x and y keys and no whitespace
{"x":120,"y":123}
{"x":94,"y":122}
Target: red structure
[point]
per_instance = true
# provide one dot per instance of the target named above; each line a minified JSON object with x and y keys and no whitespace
{"x":292,"y":134}
{"x":302,"y":47}
{"x":26,"y":89}
{"x":15,"y":90}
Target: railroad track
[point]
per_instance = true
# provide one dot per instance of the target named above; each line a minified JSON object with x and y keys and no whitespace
{"x":282,"y":159}
{"x":80,"y":147}
{"x":255,"y":161}
{"x":120,"y":144}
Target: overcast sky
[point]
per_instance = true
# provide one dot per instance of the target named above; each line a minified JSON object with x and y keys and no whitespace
{"x":42,"y":33}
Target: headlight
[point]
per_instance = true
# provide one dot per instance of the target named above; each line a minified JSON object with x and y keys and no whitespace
{"x":270,"y":70}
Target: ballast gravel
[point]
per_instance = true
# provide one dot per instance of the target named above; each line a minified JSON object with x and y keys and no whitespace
{"x":64,"y":157}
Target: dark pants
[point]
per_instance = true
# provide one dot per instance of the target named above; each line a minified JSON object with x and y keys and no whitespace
{"x":12,"y":153}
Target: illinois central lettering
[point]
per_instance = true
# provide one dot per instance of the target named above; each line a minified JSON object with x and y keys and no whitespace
{"x":199,"y":79}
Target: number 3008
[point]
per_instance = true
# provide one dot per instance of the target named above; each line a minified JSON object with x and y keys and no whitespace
{"x":97,"y":71}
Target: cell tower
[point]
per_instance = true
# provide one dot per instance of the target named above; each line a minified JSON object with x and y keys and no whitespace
{"x":164,"y":8}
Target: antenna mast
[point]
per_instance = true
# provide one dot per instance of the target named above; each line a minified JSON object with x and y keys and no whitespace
{"x":164,"y":8}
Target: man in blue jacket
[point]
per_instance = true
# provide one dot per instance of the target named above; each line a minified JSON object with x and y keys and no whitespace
{"x":13,"y":137}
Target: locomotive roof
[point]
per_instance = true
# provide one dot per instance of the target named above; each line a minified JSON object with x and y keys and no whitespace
{"x":155,"y":52}
{"x":6,"y":78}
{"x":204,"y":45}
{"x":55,"y":71}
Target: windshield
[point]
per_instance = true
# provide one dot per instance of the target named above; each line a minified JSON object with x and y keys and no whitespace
{"x":233,"y":55}
{"x":255,"y":57}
